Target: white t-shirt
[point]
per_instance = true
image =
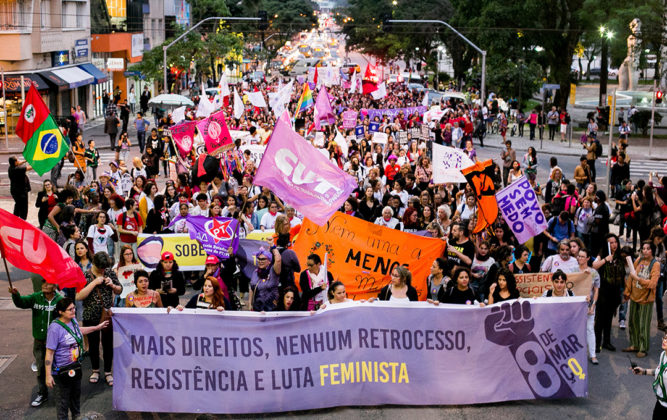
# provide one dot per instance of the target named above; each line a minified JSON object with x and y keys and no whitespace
{"x":294,"y":222}
{"x":555,"y":262}
{"x":100,"y":237}
{"x":268,"y":220}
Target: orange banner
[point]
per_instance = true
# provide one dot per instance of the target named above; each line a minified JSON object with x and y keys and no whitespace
{"x":362,"y":254}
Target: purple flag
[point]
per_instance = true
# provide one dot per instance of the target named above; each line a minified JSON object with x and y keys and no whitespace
{"x":349,"y":354}
{"x":521,"y":210}
{"x":323,"y":109}
{"x":350,"y":119}
{"x":215,"y":235}
{"x":302,"y":176}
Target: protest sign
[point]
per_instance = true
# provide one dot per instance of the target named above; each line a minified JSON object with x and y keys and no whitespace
{"x":188,"y":253}
{"x":256,"y":152}
{"x":349,"y":119}
{"x":534,"y":284}
{"x":480,"y":178}
{"x":126,"y":278}
{"x":374,"y":127}
{"x":215,"y":132}
{"x":380,"y":138}
{"x":359,"y":131}
{"x":216,"y":235}
{"x":305,"y":179}
{"x":447,"y":164}
{"x":425,"y":132}
{"x":183,"y":135}
{"x":348,"y":355}
{"x":362,"y":254}
{"x":520,"y":209}
{"x":402,"y":137}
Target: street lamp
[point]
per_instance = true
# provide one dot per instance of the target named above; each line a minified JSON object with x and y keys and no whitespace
{"x":479,"y":50}
{"x":607,"y":35}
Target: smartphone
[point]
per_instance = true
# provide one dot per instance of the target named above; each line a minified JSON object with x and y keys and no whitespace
{"x":632,"y":364}
{"x":166,"y":285}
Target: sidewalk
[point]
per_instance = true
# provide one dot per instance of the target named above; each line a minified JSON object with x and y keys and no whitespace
{"x":638,"y":148}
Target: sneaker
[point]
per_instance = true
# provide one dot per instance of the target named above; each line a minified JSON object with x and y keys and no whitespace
{"x":621,"y":325}
{"x":39,"y":400}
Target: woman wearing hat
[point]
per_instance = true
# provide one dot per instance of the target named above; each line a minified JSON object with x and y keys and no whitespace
{"x":265,"y":279}
{"x":392,"y":168}
{"x":168,"y":280}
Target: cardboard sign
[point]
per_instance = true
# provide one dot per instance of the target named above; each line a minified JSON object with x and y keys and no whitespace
{"x":534,"y":284}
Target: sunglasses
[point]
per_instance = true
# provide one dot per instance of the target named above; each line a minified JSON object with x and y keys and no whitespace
{"x":262,"y":259}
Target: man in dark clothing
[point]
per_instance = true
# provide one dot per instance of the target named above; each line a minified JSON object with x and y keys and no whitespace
{"x":124,"y":115}
{"x":111,"y":124}
{"x":19,"y":186}
{"x":143,"y":100}
{"x":619,"y":172}
{"x":460,"y":249}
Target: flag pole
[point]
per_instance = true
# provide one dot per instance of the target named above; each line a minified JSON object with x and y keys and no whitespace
{"x":2,"y":251}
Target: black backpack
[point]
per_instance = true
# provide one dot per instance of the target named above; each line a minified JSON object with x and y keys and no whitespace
{"x":598,"y":148}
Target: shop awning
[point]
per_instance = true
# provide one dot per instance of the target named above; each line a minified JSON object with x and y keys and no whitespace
{"x":13,"y":82}
{"x":99,"y":76}
{"x":54,"y":80}
{"x":74,"y":76}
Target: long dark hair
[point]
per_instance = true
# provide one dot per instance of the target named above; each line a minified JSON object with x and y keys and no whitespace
{"x":281,"y":299}
{"x":509,"y":278}
{"x":160,"y":269}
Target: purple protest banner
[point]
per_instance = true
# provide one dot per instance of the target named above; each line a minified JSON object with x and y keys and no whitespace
{"x":349,"y":354}
{"x":393,"y":112}
{"x":520,"y":209}
{"x":294,"y":170}
{"x":349,"y":119}
{"x":216,"y":235}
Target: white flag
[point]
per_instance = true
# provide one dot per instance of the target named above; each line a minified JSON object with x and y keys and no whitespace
{"x":278,"y":100}
{"x":447,"y":164}
{"x":342,"y":142}
{"x":256,"y":99}
{"x":205,"y":107}
{"x":353,"y":83}
{"x":178,"y":114}
{"x":239,"y":108}
{"x":380,"y":92}
{"x":425,"y":101}
{"x":223,"y":86}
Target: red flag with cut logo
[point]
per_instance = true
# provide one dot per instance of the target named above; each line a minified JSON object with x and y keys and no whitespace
{"x":28,"y":248}
{"x":480,"y":178}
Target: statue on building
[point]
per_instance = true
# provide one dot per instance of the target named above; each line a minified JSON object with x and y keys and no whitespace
{"x":628,"y":73}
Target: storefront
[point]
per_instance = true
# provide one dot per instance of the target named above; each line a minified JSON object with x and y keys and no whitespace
{"x":13,"y":96}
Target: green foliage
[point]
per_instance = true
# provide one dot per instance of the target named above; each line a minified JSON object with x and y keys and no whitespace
{"x":642,"y":119}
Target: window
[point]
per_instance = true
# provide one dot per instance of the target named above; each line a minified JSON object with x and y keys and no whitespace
{"x":15,"y":15}
{"x":45,"y":12}
{"x":74,"y":14}
{"x":80,"y":15}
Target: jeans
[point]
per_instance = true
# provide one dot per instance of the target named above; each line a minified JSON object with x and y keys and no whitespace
{"x":94,"y":346}
{"x":123,"y":155}
{"x":68,"y":395}
{"x":659,"y":291}
{"x":141,"y":138}
{"x":39,"y":352}
{"x":552,"y":131}
{"x":532,"y":131}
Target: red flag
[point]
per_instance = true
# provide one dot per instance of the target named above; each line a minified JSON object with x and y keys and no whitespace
{"x":371,"y":79}
{"x":30,"y":249}
{"x":33,"y":115}
{"x":315,"y":77}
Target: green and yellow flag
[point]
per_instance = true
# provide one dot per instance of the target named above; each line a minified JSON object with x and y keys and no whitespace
{"x":45,"y":145}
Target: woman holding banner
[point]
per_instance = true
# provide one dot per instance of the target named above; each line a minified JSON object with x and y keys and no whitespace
{"x":168,"y":280}
{"x":458,"y":289}
{"x":400,"y":288}
{"x":314,"y":283}
{"x":265,"y":281}
{"x":504,"y":288}
{"x":142,"y":296}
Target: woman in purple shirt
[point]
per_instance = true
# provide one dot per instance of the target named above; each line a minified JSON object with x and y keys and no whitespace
{"x":64,"y":348}
{"x":265,"y":281}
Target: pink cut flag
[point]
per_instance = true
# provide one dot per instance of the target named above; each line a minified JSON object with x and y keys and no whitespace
{"x":183,"y":135}
{"x":323,"y":109}
{"x":215,"y":133}
{"x":295,"y":171}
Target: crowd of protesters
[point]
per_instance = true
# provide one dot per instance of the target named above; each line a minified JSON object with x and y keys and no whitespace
{"x":97,"y":217}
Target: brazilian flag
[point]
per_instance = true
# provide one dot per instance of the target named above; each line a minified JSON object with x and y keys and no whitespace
{"x":45,"y":145}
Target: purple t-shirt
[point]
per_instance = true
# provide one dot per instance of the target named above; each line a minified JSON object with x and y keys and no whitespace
{"x":265,"y":291}
{"x":65,"y":347}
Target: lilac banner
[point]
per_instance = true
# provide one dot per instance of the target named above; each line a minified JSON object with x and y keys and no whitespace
{"x":393,"y":112}
{"x":520,"y":209}
{"x":303,"y":177}
{"x":216,"y":235}
{"x":349,"y":354}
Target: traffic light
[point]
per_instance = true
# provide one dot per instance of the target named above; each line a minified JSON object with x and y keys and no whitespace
{"x":658,"y":97}
{"x":263,"y":20}
{"x":386,"y":25}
